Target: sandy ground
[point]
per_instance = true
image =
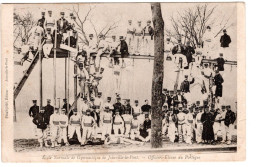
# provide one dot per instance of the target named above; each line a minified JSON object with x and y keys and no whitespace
{"x":28,"y":145}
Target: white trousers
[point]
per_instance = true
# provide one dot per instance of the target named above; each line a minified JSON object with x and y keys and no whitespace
{"x":130,"y":42}
{"x":216,"y":129}
{"x":199,"y":130}
{"x":187,"y":133}
{"x":87,"y":132}
{"x":47,"y":49}
{"x":138,"y":44}
{"x":134,"y":133}
{"x":63,"y":135}
{"x":181,"y":131}
{"x":42,"y":135}
{"x":127,"y":129}
{"x":171,"y":131}
{"x":106,"y":129}
{"x":37,"y":42}
{"x":72,"y":129}
{"x":116,"y":129}
{"x":148,"y":45}
{"x":164,"y":129}
{"x":54,"y":133}
{"x":227,"y":132}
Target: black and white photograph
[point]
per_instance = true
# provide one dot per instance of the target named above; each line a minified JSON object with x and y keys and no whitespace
{"x":123,"y":82}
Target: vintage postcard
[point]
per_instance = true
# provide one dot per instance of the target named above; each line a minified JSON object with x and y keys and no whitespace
{"x":123,"y":82}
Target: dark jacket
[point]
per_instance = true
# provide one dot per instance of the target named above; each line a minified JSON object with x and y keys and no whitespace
{"x":220,"y":64}
{"x":147,"y":124}
{"x":62,"y":29}
{"x":49,"y":110}
{"x":218,"y":79}
{"x":175,"y":50}
{"x":230,"y":118}
{"x":128,"y":109}
{"x":123,"y":48}
{"x":185,"y":85}
{"x":189,"y":51}
{"x":33,"y":111}
{"x":41,"y":120}
{"x":73,"y":41}
{"x":146,"y":108}
{"x":42,"y":20}
{"x":177,"y":101}
{"x":65,"y":107}
{"x":225,"y":40}
{"x":118,"y":106}
{"x":150,"y":30}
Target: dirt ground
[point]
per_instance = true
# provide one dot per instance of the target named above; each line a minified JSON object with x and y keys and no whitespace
{"x":31,"y":145}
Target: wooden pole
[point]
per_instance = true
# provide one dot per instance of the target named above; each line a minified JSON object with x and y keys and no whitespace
{"x":40,"y":57}
{"x":75,"y":79}
{"x":54,"y":68}
{"x":158,"y":73}
{"x":68,"y":78}
{"x":65,"y":77}
{"x":14,"y":116}
{"x":75,"y":85}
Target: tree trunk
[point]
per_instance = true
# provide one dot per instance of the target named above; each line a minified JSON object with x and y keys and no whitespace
{"x":157,"y":83}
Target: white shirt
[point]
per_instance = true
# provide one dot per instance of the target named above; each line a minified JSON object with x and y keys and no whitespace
{"x":137,"y":109}
{"x":98,"y":102}
{"x":114,"y":44}
{"x":189,"y":117}
{"x":130,"y":28}
{"x":76,"y":118}
{"x":37,"y":31}
{"x":87,"y":119}
{"x":168,"y":47}
{"x":198,"y":117}
{"x":208,"y":36}
{"x":49,"y":22}
{"x":55,"y":118}
{"x":181,"y":118}
{"x":139,"y":30}
{"x":102,"y":44}
{"x":84,"y":106}
{"x":92,"y":44}
{"x":110,"y":105}
{"x":63,"y":118}
{"x":207,"y":71}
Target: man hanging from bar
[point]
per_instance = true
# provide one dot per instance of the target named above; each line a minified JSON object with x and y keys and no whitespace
{"x":83,"y":82}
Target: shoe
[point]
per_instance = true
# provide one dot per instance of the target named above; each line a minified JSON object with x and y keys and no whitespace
{"x":228,"y":142}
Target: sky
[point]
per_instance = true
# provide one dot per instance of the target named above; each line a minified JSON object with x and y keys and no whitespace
{"x":104,"y":13}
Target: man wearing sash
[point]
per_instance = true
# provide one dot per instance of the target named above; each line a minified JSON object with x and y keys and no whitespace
{"x":74,"y":125}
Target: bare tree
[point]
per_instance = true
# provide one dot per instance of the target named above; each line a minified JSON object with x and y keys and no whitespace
{"x":158,"y":73}
{"x":23,"y":23}
{"x":109,"y":27}
{"x":191,"y":23}
{"x":83,"y":18}
{"x":81,"y":21}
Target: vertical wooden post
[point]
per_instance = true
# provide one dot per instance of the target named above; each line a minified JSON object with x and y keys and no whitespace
{"x":75,"y":85}
{"x":14,"y":116}
{"x":76,"y":80}
{"x":158,"y":73}
{"x":54,"y":68}
{"x":40,"y":59}
{"x":68,"y":78}
{"x":65,"y":77}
